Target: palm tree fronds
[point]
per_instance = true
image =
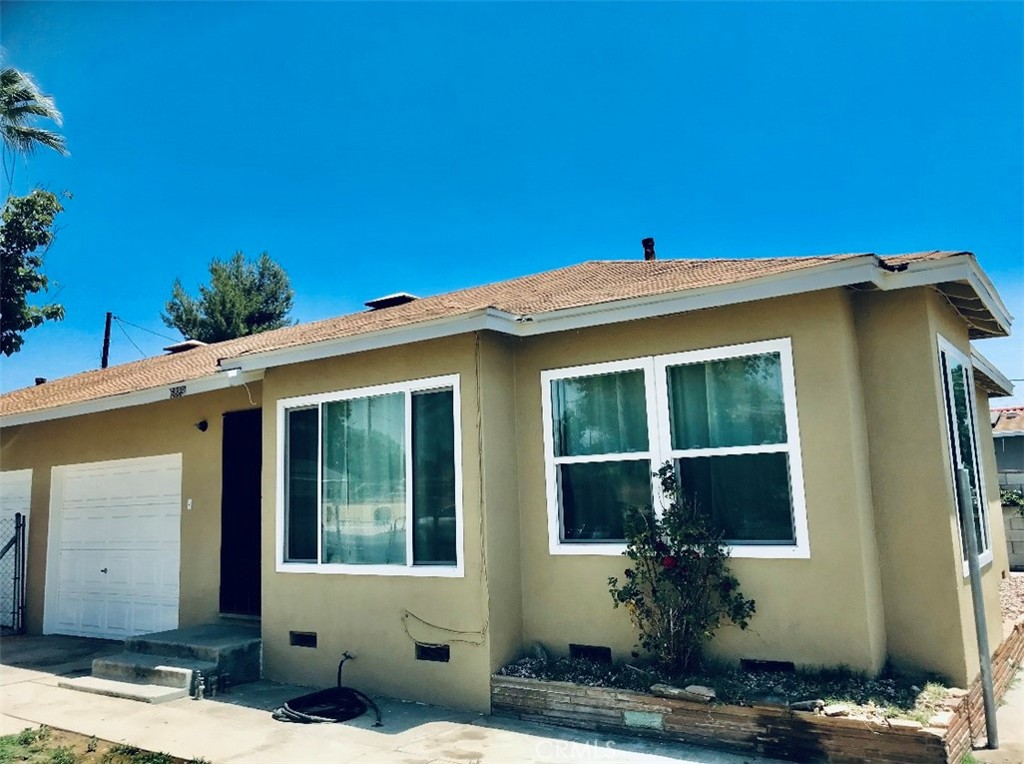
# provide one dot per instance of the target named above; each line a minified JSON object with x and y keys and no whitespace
{"x":20,"y":101}
{"x":24,"y":139}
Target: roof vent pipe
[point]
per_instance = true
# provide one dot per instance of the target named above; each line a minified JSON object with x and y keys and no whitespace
{"x":648,"y":245}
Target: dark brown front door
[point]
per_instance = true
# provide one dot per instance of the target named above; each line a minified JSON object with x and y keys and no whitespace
{"x":240,"y":512}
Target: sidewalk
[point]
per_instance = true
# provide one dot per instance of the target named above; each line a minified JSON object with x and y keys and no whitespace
{"x":1010,"y":723}
{"x":238,"y":728}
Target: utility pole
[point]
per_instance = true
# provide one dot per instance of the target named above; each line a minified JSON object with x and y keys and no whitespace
{"x":106,"y":342}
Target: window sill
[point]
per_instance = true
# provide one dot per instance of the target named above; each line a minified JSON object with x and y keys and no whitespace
{"x":984,"y":560}
{"x":755,"y":552}
{"x":413,"y":571}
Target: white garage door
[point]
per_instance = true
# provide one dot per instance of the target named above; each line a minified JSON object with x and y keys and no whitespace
{"x":115,"y":548}
{"x":15,"y":496}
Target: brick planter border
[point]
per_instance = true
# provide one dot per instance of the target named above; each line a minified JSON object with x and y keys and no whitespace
{"x":761,"y":730}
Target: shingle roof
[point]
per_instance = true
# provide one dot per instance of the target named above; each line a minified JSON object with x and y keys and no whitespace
{"x":1008,"y":420}
{"x":589,"y":283}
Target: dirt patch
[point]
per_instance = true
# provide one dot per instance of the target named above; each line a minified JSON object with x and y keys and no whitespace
{"x":1011,"y":597}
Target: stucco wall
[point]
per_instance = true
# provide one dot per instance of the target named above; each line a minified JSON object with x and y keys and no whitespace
{"x":159,"y":428}
{"x":503,"y":573}
{"x":825,"y":609}
{"x":364,"y":613}
{"x":927,"y":599}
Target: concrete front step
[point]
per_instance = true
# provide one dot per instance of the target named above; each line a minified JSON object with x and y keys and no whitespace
{"x":235,"y":649}
{"x":163,"y":670}
{"x":146,"y":693}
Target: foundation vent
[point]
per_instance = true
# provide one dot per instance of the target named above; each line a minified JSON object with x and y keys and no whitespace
{"x":302,"y":638}
{"x":593,"y":653}
{"x":438,"y":653}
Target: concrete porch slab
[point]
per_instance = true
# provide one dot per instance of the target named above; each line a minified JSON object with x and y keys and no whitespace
{"x":146,"y":693}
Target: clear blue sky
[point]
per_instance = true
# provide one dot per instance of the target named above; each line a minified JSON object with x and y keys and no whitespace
{"x":372,"y":148}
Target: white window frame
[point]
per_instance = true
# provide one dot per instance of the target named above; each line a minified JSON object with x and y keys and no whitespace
{"x":953,"y":446}
{"x":655,"y":370}
{"x":409,"y":387}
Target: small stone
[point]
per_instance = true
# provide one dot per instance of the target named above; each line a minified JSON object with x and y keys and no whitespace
{"x":807,"y":705}
{"x":694,"y":693}
{"x":537,"y":651}
{"x":697,"y":689}
{"x":941,"y":719}
{"x":906,"y":724}
{"x":836,"y":709}
{"x":955,"y":692}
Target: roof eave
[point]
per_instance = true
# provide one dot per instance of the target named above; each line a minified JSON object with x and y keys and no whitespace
{"x":842,"y":273}
{"x":958,"y":268}
{"x":994,"y":382}
{"x":173,"y":390}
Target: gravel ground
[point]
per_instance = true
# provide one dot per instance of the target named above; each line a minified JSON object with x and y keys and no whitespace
{"x":1011,"y":597}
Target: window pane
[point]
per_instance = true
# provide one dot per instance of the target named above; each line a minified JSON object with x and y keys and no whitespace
{"x":747,"y":495}
{"x":300,"y":485}
{"x":433,"y":478}
{"x":963,"y":430}
{"x":731,"y":402}
{"x":364,"y":480}
{"x":595,"y":496}
{"x":603,"y":414}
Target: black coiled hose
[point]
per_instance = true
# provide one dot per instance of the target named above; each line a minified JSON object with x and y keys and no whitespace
{"x":335,"y":704}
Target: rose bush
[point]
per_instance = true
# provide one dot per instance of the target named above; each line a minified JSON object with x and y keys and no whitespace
{"x":679,"y":589}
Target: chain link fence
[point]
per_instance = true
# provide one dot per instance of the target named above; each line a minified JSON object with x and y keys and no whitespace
{"x":12,"y":574}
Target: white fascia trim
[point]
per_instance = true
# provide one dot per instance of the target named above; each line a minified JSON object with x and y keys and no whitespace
{"x":217,"y":381}
{"x":843,"y":273}
{"x":426,"y":330}
{"x":986,"y":367}
{"x":960,"y":268}
{"x":855,"y":270}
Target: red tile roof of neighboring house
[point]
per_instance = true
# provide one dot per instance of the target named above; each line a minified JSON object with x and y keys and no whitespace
{"x":1008,"y":420}
{"x":589,"y":283}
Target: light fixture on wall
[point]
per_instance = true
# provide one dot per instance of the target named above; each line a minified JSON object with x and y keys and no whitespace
{"x":202,"y":425}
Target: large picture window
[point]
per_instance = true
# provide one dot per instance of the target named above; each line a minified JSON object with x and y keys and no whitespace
{"x":962,"y":432}
{"x":725,"y":417}
{"x":370,"y":480}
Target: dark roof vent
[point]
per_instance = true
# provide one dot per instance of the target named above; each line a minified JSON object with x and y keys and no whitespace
{"x":40,"y":381}
{"x":648,"y":245}
{"x":390,"y":300}
{"x":181,"y":347}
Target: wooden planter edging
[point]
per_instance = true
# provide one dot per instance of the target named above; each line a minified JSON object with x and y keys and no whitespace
{"x":761,"y":730}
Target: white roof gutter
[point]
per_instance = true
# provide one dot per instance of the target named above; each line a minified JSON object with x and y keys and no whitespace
{"x":219,"y":381}
{"x":842,"y":273}
{"x":984,"y":366}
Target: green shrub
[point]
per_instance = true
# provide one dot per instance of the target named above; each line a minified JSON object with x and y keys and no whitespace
{"x":678,"y":590}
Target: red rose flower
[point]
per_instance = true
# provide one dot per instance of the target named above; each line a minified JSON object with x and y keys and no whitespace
{"x":669,"y":562}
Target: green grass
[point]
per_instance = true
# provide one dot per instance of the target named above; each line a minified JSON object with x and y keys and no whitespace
{"x":44,"y":746}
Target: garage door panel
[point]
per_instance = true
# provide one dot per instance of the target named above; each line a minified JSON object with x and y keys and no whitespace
{"x":119,"y":612}
{"x":119,"y":547}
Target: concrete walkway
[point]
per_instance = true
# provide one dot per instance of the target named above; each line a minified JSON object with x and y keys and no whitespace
{"x":238,"y":728}
{"x":1010,"y":723}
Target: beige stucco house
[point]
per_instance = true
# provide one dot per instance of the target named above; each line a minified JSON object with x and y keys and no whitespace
{"x":452,"y":470}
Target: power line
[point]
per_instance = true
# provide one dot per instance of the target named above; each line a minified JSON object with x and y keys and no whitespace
{"x":136,"y":326}
{"x":125,"y":332}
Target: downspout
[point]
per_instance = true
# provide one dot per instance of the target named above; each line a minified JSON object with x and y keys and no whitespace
{"x":963,"y":484}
